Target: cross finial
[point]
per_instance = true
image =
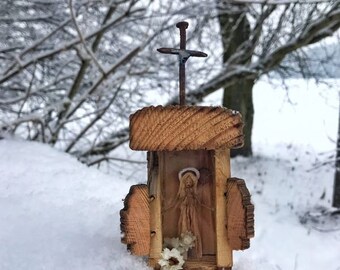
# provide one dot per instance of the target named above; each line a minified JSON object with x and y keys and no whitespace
{"x":183,"y":56}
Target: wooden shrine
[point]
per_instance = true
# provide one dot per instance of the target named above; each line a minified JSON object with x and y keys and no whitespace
{"x":191,"y":214}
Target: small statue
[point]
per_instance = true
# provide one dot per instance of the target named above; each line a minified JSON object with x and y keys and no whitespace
{"x":188,"y":203}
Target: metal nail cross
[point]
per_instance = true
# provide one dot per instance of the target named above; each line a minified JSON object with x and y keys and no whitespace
{"x":183,"y":56}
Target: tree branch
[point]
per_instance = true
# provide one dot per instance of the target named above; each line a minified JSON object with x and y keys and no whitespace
{"x":231,"y":74}
{"x":64,"y":47}
{"x":82,"y":40}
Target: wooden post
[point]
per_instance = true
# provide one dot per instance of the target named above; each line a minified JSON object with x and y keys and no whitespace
{"x":224,"y":257}
{"x":155,"y":192}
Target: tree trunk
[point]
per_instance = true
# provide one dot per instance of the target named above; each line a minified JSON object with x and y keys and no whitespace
{"x":336,"y":191}
{"x":235,"y":30}
{"x":240,"y":97}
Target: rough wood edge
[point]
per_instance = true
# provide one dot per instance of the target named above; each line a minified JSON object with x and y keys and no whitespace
{"x":247,"y":230}
{"x":136,"y":235}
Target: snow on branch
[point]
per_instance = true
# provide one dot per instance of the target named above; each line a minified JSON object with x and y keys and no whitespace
{"x":63,"y":47}
{"x":81,"y":100}
{"x":82,"y":40}
{"x":328,"y":24}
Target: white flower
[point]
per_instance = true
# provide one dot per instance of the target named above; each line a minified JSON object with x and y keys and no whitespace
{"x":171,"y":259}
{"x":187,"y":240}
{"x":171,"y":242}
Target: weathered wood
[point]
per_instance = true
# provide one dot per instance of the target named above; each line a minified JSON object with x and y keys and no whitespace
{"x":202,"y":199}
{"x":135,"y":221}
{"x":240,"y":211}
{"x":172,"y":164}
{"x":206,"y":263}
{"x":175,"y":128}
{"x":222,"y":172}
{"x":155,"y":167}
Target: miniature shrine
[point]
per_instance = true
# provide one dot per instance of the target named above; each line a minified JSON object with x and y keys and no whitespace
{"x":191,"y":214}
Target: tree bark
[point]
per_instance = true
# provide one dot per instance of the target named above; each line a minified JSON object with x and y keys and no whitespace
{"x":235,"y":30}
{"x":336,"y":190}
{"x":240,"y":97}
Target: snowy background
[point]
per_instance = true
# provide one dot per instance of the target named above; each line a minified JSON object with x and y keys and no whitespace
{"x":56,"y":213}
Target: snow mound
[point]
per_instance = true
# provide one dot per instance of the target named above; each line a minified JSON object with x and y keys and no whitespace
{"x":56,"y":213}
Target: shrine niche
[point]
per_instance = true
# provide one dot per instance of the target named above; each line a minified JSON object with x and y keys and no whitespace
{"x":191,"y":214}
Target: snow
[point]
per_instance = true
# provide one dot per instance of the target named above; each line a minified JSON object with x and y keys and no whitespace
{"x":283,"y":191}
{"x":56,"y":213}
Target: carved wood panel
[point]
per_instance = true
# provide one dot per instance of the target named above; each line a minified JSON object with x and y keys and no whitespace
{"x":240,"y":221}
{"x":135,"y":221}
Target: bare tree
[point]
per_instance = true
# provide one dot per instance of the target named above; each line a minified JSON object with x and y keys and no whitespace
{"x":71,"y":72}
{"x":71,"y":69}
{"x":235,"y":31}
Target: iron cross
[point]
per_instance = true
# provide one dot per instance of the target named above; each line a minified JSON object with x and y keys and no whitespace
{"x":183,"y":56}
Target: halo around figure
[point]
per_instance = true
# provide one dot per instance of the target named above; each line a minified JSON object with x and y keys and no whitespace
{"x":189,"y":169}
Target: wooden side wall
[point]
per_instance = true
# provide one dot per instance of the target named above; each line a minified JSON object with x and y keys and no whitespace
{"x":155,"y":199}
{"x":222,"y":173}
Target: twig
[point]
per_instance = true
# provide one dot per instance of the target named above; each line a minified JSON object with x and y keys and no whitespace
{"x":112,"y":69}
{"x":62,"y":47}
{"x":28,"y":119}
{"x":321,"y":164}
{"x":83,"y":67}
{"x":35,"y":92}
{"x":326,"y":230}
{"x":91,"y":123}
{"x":82,"y":40}
{"x":28,"y":92}
{"x":36,"y":44}
{"x":115,"y":159}
{"x":25,"y":19}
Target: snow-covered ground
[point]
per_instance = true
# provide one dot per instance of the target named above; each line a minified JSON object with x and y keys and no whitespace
{"x":56,"y":213}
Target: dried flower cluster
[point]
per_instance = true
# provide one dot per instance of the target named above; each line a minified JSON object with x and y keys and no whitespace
{"x":172,"y":257}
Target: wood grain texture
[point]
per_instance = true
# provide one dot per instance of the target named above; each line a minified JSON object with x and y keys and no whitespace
{"x":135,"y":221}
{"x":155,"y":164}
{"x":206,"y":263}
{"x":175,"y":128}
{"x":224,"y":256}
{"x":240,"y":210}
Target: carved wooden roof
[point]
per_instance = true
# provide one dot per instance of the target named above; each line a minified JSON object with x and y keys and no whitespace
{"x":176,"y":128}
